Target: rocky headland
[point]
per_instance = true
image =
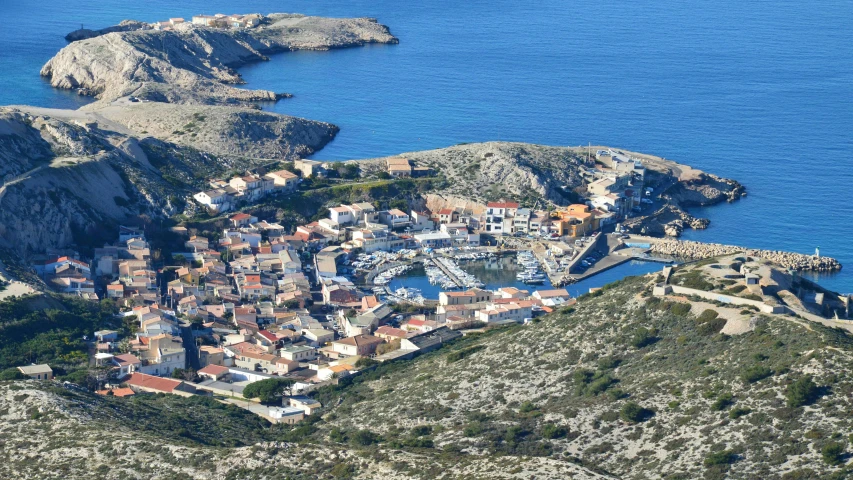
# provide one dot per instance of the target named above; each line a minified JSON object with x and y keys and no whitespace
{"x":195,"y":64}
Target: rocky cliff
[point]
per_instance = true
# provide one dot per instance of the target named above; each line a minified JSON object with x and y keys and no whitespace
{"x":194,"y":64}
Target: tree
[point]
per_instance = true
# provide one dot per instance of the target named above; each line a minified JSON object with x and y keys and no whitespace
{"x":12,"y":374}
{"x":268,"y":390}
{"x":802,"y":392}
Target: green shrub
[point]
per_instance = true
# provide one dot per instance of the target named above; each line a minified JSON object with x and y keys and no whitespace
{"x":607,"y":363}
{"x":268,"y":390}
{"x":680,"y":309}
{"x":724,"y":457}
{"x":707,"y":315}
{"x":364,"y":438}
{"x":755,"y":373}
{"x":831,"y":453}
{"x":12,"y":374}
{"x":738,"y":412}
{"x":343,"y":470}
{"x":465,"y":352}
{"x":643,"y":337}
{"x":723,"y":402}
{"x":802,"y":392}
{"x":551,"y":431}
{"x":634,"y":413}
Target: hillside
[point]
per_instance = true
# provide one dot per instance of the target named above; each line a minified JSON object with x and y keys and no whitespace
{"x":66,"y":176}
{"x":527,"y":172}
{"x":623,"y":384}
{"x":192,"y":64}
{"x":710,"y":404}
{"x":172,"y":437}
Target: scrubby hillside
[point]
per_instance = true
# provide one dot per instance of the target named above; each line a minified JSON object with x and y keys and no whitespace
{"x":638,"y":387}
{"x":493,"y":170}
{"x":76,"y":435}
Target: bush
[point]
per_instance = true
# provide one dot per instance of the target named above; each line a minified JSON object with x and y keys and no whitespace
{"x":465,"y":352}
{"x":551,"y":431}
{"x":12,"y":374}
{"x":738,"y":412}
{"x":269,"y":390}
{"x":680,"y":309}
{"x":723,"y":402}
{"x":724,"y":457}
{"x":755,"y":373}
{"x":634,"y":413}
{"x":343,"y":470}
{"x":802,"y":392}
{"x":831,"y":453}
{"x":364,"y":438}
{"x":643,"y":337}
{"x":707,"y":315}
{"x":607,"y":363}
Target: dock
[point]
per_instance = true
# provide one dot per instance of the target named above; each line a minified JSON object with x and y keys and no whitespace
{"x":441,"y":266}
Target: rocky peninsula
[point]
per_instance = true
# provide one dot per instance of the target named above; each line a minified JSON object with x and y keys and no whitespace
{"x":195,"y":64}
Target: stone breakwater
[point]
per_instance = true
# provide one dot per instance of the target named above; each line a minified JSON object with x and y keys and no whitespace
{"x":698,"y":250}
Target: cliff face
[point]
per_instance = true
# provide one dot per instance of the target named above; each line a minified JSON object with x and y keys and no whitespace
{"x":196,"y":64}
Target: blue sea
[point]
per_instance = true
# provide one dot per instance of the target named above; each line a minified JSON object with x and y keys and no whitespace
{"x":760,"y":91}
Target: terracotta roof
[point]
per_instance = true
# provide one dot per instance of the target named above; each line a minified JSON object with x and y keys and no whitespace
{"x":153,"y":383}
{"x":126,"y":359}
{"x":391,"y":331}
{"x":268,"y":335}
{"x":241,"y":216}
{"x":117,"y":392}
{"x":502,"y":205}
{"x":213,"y":370}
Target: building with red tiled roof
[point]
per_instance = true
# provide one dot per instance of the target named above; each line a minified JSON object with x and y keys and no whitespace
{"x":213,"y":372}
{"x":141,"y":382}
{"x":117,"y":392}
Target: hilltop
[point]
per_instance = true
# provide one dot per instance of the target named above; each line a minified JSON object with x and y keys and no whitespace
{"x":194,"y":64}
{"x":490,"y":171}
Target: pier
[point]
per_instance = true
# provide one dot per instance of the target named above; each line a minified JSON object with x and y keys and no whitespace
{"x":441,"y":266}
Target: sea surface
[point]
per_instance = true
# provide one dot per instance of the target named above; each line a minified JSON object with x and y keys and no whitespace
{"x":759,"y":91}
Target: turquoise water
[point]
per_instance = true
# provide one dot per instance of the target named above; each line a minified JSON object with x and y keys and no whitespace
{"x":757,"y":91}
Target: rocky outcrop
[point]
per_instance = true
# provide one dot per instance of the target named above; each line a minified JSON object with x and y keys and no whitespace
{"x":224,"y":131}
{"x":697,"y":250}
{"x":124,"y":26}
{"x":488,"y":171}
{"x":194,"y":64}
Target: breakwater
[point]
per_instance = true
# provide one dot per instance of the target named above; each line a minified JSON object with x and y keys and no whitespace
{"x":698,"y":250}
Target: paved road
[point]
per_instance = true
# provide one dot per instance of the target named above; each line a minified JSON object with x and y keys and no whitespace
{"x":190,"y":346}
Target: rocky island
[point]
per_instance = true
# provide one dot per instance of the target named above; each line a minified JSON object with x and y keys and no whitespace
{"x":196,"y":64}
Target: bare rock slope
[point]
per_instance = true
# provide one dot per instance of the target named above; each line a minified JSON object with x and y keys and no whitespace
{"x":196,"y":64}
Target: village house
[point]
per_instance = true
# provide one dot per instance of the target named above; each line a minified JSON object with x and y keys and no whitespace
{"x":310,"y":168}
{"x":399,"y":167}
{"x":499,"y":216}
{"x":140,"y":382}
{"x":474,"y":295}
{"x":37,"y":372}
{"x":363,"y":345}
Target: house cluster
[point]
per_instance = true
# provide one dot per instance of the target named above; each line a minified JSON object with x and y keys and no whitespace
{"x":616,"y":183}
{"x":126,"y":267}
{"x":226,"y":195}
{"x":215,"y":21}
{"x":504,"y":305}
{"x":68,"y":275}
